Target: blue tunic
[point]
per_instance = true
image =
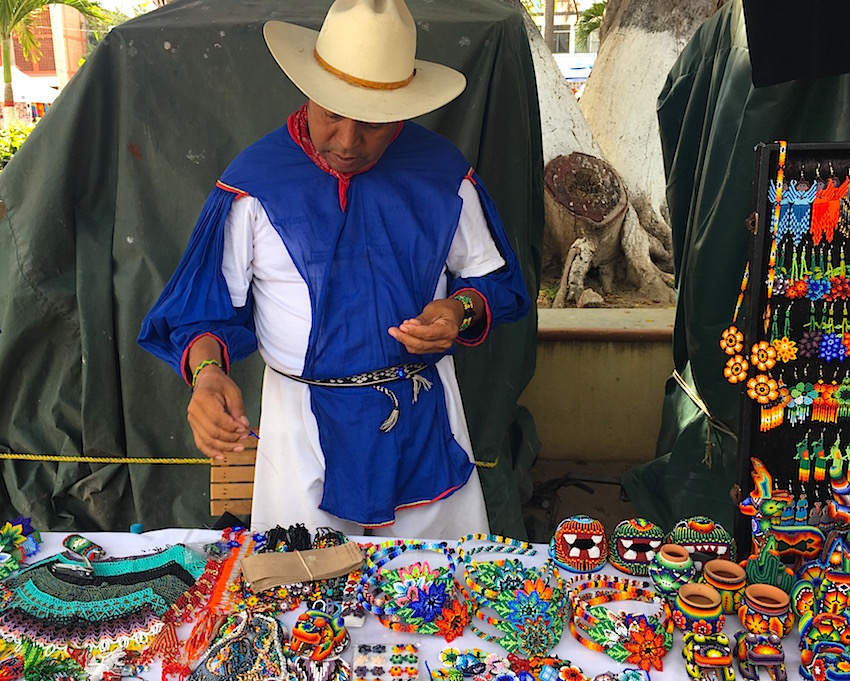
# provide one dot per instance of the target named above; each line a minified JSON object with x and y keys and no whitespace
{"x":366,"y":269}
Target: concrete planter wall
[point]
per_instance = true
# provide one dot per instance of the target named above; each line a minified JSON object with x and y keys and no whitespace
{"x":598,"y":389}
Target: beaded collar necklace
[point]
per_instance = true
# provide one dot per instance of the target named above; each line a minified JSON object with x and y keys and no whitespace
{"x":415,"y":598}
{"x":625,"y":637}
{"x":524,"y":604}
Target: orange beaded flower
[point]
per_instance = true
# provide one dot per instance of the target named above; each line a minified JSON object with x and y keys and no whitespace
{"x":646,"y":648}
{"x":732,"y":340}
{"x":786,"y":349}
{"x":763,"y":389}
{"x":736,"y":369}
{"x":763,"y":356}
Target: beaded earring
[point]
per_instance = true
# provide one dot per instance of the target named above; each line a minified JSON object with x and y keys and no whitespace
{"x":803,"y":456}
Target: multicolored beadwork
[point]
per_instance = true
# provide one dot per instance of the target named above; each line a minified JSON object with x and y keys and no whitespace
{"x":579,"y":544}
{"x":708,"y":656}
{"x":413,"y":598}
{"x":704,"y":539}
{"x":697,"y":608}
{"x":633,"y":545}
{"x":671,"y":568}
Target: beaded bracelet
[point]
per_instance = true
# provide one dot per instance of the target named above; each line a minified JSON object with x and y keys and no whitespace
{"x":202,"y":365}
{"x":414,"y":598}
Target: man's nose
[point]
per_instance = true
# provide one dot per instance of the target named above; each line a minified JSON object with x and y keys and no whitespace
{"x":348,"y":134}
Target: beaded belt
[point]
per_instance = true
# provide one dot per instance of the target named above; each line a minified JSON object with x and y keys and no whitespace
{"x":376,"y":379}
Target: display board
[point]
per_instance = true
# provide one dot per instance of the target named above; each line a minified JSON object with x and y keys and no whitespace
{"x":788,"y":345}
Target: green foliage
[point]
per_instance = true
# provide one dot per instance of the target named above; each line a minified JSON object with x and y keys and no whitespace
{"x":11,"y":139}
{"x":589,"y":21}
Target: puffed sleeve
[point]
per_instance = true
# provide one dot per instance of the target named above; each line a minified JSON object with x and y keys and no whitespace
{"x":196,"y":301}
{"x":481,"y":259}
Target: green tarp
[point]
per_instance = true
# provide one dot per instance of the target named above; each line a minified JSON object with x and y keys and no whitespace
{"x":98,"y":207}
{"x":711,"y":117}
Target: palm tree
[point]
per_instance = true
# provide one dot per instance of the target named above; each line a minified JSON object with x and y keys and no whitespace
{"x":17,"y":18}
{"x":589,"y":21}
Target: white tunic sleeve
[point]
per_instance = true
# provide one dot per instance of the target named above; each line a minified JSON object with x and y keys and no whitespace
{"x":237,"y":260}
{"x":473,"y":252}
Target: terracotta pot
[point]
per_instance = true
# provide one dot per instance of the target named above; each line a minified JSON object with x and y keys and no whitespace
{"x":730,"y":580}
{"x":765,"y":609}
{"x":697,"y":608}
{"x":671,"y":568}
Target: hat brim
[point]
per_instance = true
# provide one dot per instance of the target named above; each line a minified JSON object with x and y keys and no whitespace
{"x":292,"y":46}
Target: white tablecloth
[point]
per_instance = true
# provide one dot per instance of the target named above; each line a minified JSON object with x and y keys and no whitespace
{"x":592,"y":663}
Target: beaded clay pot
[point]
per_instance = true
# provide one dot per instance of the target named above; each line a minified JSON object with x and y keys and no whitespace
{"x":671,"y":568}
{"x":697,"y":608}
{"x":730,"y":580}
{"x":766,"y":609}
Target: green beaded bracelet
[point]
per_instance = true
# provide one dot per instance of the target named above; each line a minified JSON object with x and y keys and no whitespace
{"x":468,"y":312}
{"x":205,"y":363}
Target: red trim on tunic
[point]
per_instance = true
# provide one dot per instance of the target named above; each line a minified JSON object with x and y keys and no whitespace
{"x":187,"y":375}
{"x":226,"y":187}
{"x":470,"y":175}
{"x":415,"y":504}
{"x":479,"y":339}
{"x":300,"y":133}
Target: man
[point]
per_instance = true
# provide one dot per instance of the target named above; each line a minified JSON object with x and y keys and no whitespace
{"x":353,"y":249}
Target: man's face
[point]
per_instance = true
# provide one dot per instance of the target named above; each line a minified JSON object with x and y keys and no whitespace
{"x":347,"y":145}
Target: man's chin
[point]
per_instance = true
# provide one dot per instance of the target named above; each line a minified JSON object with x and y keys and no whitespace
{"x":344,"y":164}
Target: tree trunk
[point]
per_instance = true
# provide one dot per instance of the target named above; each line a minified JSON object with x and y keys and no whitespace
{"x":564,"y":131}
{"x":639,"y":41}
{"x":9,"y":114}
{"x":549,"y":23}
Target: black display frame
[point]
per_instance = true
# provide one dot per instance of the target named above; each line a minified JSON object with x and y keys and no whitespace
{"x":776,"y":447}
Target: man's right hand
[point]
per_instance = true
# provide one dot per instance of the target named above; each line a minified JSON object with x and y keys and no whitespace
{"x":216,"y":414}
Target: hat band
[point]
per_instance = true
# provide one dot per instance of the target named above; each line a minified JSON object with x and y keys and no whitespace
{"x":354,"y":80}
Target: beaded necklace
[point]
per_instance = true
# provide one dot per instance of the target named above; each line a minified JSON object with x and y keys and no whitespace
{"x":524,"y":604}
{"x":415,"y":598}
{"x":625,"y":637}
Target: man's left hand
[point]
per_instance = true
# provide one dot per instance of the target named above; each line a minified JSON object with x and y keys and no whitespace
{"x":434,"y":330}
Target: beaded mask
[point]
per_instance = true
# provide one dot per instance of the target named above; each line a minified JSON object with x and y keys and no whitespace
{"x":633,"y":545}
{"x":708,"y":656}
{"x":704,"y":539}
{"x":579,"y":544}
{"x":319,"y":633}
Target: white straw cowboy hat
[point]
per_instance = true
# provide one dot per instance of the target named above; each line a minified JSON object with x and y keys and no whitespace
{"x":362,"y":63}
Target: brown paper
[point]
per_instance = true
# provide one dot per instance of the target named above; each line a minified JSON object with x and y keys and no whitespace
{"x":264,"y":571}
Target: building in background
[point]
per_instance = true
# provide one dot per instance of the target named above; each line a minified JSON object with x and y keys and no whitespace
{"x":575,"y":62}
{"x":62,"y":34}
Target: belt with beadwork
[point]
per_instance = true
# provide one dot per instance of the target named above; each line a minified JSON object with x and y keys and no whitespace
{"x":376,"y":379}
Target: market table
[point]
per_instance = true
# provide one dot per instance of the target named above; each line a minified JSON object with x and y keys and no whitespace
{"x":118,"y":544}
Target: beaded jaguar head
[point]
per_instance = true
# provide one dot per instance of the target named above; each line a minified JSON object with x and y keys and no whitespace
{"x":759,"y":650}
{"x":704,"y":539}
{"x":708,"y":656}
{"x":633,"y":545}
{"x":579,"y":544}
{"x":319,"y":635}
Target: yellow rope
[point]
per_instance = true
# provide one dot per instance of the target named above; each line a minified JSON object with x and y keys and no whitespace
{"x":487,"y":464}
{"x":103,"y":459}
